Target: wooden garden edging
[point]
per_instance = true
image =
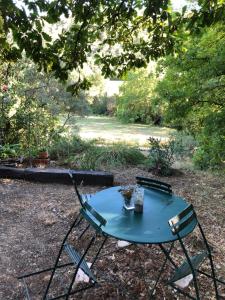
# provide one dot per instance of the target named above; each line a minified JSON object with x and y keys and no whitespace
{"x":57,"y":175}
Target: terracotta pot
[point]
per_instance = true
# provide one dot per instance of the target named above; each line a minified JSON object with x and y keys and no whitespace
{"x":43,"y":154}
{"x":40,"y":162}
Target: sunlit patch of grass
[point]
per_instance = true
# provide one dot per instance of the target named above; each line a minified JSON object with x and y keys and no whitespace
{"x":111,"y":130}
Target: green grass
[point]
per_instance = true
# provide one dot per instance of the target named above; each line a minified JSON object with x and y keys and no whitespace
{"x":111,"y":130}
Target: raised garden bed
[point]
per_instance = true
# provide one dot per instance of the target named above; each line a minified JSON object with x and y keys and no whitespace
{"x":55,"y":175}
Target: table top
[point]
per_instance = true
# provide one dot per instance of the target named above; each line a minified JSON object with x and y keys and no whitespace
{"x":149,"y":227}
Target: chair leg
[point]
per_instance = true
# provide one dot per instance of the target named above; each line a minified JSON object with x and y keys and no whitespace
{"x":211,"y":261}
{"x":77,"y":220}
{"x":77,"y":268}
{"x":196,"y":286}
{"x":210,"y":276}
{"x":99,"y":250}
{"x":167,"y":254}
{"x":213,"y":276}
{"x":191,"y":267}
{"x":83,"y":232}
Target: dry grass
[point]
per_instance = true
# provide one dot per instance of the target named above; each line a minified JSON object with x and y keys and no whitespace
{"x":109,"y":129}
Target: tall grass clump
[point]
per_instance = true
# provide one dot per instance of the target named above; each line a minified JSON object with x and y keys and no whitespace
{"x":67,"y":147}
{"x":116,"y":155}
{"x":93,"y":155}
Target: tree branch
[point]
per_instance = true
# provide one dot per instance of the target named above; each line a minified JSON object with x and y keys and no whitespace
{"x":209,"y":102}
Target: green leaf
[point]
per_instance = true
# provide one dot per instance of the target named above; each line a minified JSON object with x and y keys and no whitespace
{"x":46,"y":37}
{"x":38,"y":25}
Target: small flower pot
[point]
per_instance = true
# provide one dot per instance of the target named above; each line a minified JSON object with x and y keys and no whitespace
{"x":40,"y":162}
{"x":43,"y":155}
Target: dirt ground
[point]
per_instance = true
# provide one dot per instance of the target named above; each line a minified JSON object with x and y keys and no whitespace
{"x":35,"y":217}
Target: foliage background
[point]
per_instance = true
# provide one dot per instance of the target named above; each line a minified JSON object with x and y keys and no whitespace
{"x":192,"y":90}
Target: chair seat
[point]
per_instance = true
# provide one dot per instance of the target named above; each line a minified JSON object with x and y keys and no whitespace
{"x":185,"y":269}
{"x":75,"y":257}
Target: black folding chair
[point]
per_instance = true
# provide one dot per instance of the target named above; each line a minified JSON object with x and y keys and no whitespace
{"x":81,"y":197}
{"x":78,"y":260}
{"x":191,"y":264}
{"x":85,"y":198}
{"x":154,"y":184}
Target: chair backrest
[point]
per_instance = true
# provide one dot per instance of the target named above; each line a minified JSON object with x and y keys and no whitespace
{"x":92,"y":216}
{"x":183,"y":219}
{"x":154,"y":184}
{"x":76,"y":188}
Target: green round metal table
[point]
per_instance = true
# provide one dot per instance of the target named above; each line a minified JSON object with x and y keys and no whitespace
{"x":149,"y":227}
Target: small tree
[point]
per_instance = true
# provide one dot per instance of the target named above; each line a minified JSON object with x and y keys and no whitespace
{"x":33,"y":104}
{"x":135,"y":103}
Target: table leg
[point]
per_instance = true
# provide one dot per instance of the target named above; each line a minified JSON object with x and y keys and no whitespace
{"x":167,"y":253}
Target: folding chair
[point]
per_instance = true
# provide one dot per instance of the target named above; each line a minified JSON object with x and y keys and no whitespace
{"x":78,"y":260}
{"x":192,"y":264}
{"x":81,"y":197}
{"x":154,"y":184}
{"x":84,"y":198}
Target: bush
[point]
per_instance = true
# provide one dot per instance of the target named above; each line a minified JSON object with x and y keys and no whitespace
{"x":10,"y":151}
{"x":89,"y":155}
{"x":184,"y":144}
{"x":99,"y":106}
{"x":99,"y":157}
{"x":161,"y":156}
{"x":210,"y":153}
{"x":200,"y":159}
{"x":191,"y":91}
{"x":64,"y":147}
{"x":103,"y":105}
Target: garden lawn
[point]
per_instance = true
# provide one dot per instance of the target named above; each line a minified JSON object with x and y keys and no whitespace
{"x":112,"y":130}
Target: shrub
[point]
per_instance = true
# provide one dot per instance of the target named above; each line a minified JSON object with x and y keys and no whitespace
{"x":201,"y":159}
{"x":161,"y":156}
{"x":184,"y":144}
{"x":99,"y":157}
{"x":99,"y":106}
{"x":64,"y":147}
{"x":103,"y":105}
{"x":210,"y":153}
{"x":10,"y":151}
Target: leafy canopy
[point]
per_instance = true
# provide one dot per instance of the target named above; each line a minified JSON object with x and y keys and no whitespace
{"x":120,"y":34}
